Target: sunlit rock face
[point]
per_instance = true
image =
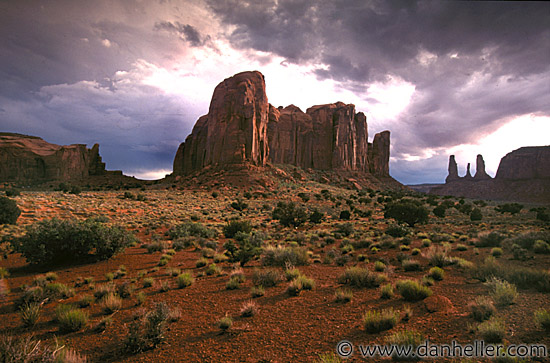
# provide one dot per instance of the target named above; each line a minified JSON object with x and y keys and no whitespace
{"x":242,"y":127}
{"x":31,"y":160}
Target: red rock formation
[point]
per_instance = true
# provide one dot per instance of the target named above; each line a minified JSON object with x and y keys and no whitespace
{"x":453,"y":170}
{"x":235,"y":129}
{"x":242,"y":127}
{"x":525,"y":163}
{"x":29,"y":159}
{"x":379,"y":158}
{"x":481,"y":174}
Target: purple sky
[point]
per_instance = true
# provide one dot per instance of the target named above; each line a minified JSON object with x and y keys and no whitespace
{"x":134,"y":76}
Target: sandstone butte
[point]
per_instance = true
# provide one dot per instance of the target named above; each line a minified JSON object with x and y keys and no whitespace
{"x":31,"y":160}
{"x":522,"y":175}
{"x":242,"y":127}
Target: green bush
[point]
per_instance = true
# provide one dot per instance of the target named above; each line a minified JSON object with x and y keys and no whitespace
{"x":361,"y":277}
{"x":266,"y":277}
{"x":148,"y":331}
{"x":283,"y":256}
{"x":343,"y":295}
{"x":492,"y":239}
{"x":476,"y":215}
{"x":406,"y":212}
{"x":541,"y":247}
{"x":411,"y":265}
{"x":405,"y":338}
{"x":482,"y":308}
{"x":70,"y":241}
{"x":70,"y":318}
{"x":502,"y":292}
{"x":412,"y":291}
{"x":316,"y":217}
{"x":236,"y":226}
{"x":492,"y":331}
{"x":9,"y":211}
{"x":28,"y":350}
{"x":190,"y":229}
{"x":376,"y":321}
{"x":542,"y":319}
{"x":184,"y":280}
{"x":436,"y":273}
{"x":439,"y":211}
{"x":512,"y":208}
{"x":397,"y":230}
{"x":289,"y":214}
{"x":386,"y":291}
{"x":29,"y":315}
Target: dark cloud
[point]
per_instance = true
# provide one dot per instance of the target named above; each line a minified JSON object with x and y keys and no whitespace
{"x":473,"y":64}
{"x":185,"y":31}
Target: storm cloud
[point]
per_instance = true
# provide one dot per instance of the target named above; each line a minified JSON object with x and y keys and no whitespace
{"x":86,"y":72}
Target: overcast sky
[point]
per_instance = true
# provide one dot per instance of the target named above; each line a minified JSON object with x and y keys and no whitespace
{"x":444,"y":77}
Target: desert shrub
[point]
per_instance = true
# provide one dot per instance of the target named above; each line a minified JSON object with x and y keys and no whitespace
{"x":257,"y":291}
{"x":439,"y":211}
{"x":239,"y":205}
{"x":55,"y":241}
{"x":482,"y":308}
{"x":289,"y":214}
{"x":496,"y":251}
{"x":492,"y":239}
{"x":292,"y":273}
{"x":28,"y":350}
{"x":58,"y":291}
{"x":29,"y":314}
{"x":397,"y":230}
{"x":361,"y":277}
{"x":542,"y":319}
{"x":437,"y":256}
{"x":304,"y":196}
{"x":233,"y":283}
{"x":476,"y":215}
{"x":542,"y":215}
{"x":246,"y":251}
{"x":316,"y":216}
{"x":412,"y":291}
{"x":541,"y":247}
{"x":225,"y":323}
{"x":187,"y":229}
{"x":213,"y":269}
{"x":148,"y":282}
{"x":9,"y":211}
{"x":13,"y":192}
{"x":184,"y":280}
{"x":70,"y":318}
{"x":411,"y":265}
{"x":406,"y":212}
{"x":201,"y":262}
{"x":147,"y":331}
{"x":236,"y":226}
{"x":527,"y":240}
{"x":376,"y":321}
{"x":345,"y":214}
{"x":492,"y":331}
{"x":436,"y":273}
{"x":379,"y":266}
{"x":345,"y":229}
{"x":266,"y":277}
{"x":404,"y":339}
{"x":502,"y":292}
{"x":249,"y":309}
{"x":157,"y":246}
{"x":343,"y":295}
{"x":85,"y":301}
{"x":386,"y":291}
{"x":283,"y":256}
{"x":307,"y":283}
{"x":512,"y":208}
{"x":111,"y":303}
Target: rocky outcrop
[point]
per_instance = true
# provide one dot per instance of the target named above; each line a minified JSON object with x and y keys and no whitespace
{"x":468,"y":175}
{"x":242,"y":127}
{"x":525,"y":163}
{"x":523,"y":175}
{"x":379,"y":155}
{"x":30,"y":159}
{"x":481,"y":174}
{"x":235,"y":129}
{"x":452,"y":170}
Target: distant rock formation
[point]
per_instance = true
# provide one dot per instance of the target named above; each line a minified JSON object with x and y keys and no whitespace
{"x":31,"y":160}
{"x":453,"y":170}
{"x":242,"y":127}
{"x":525,"y":163}
{"x":481,"y":174}
{"x":523,"y":175}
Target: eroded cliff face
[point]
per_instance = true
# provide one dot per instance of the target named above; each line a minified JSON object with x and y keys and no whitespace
{"x":29,"y":159}
{"x":523,"y":175}
{"x":525,"y":163}
{"x":235,"y":129}
{"x":241,"y":126}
